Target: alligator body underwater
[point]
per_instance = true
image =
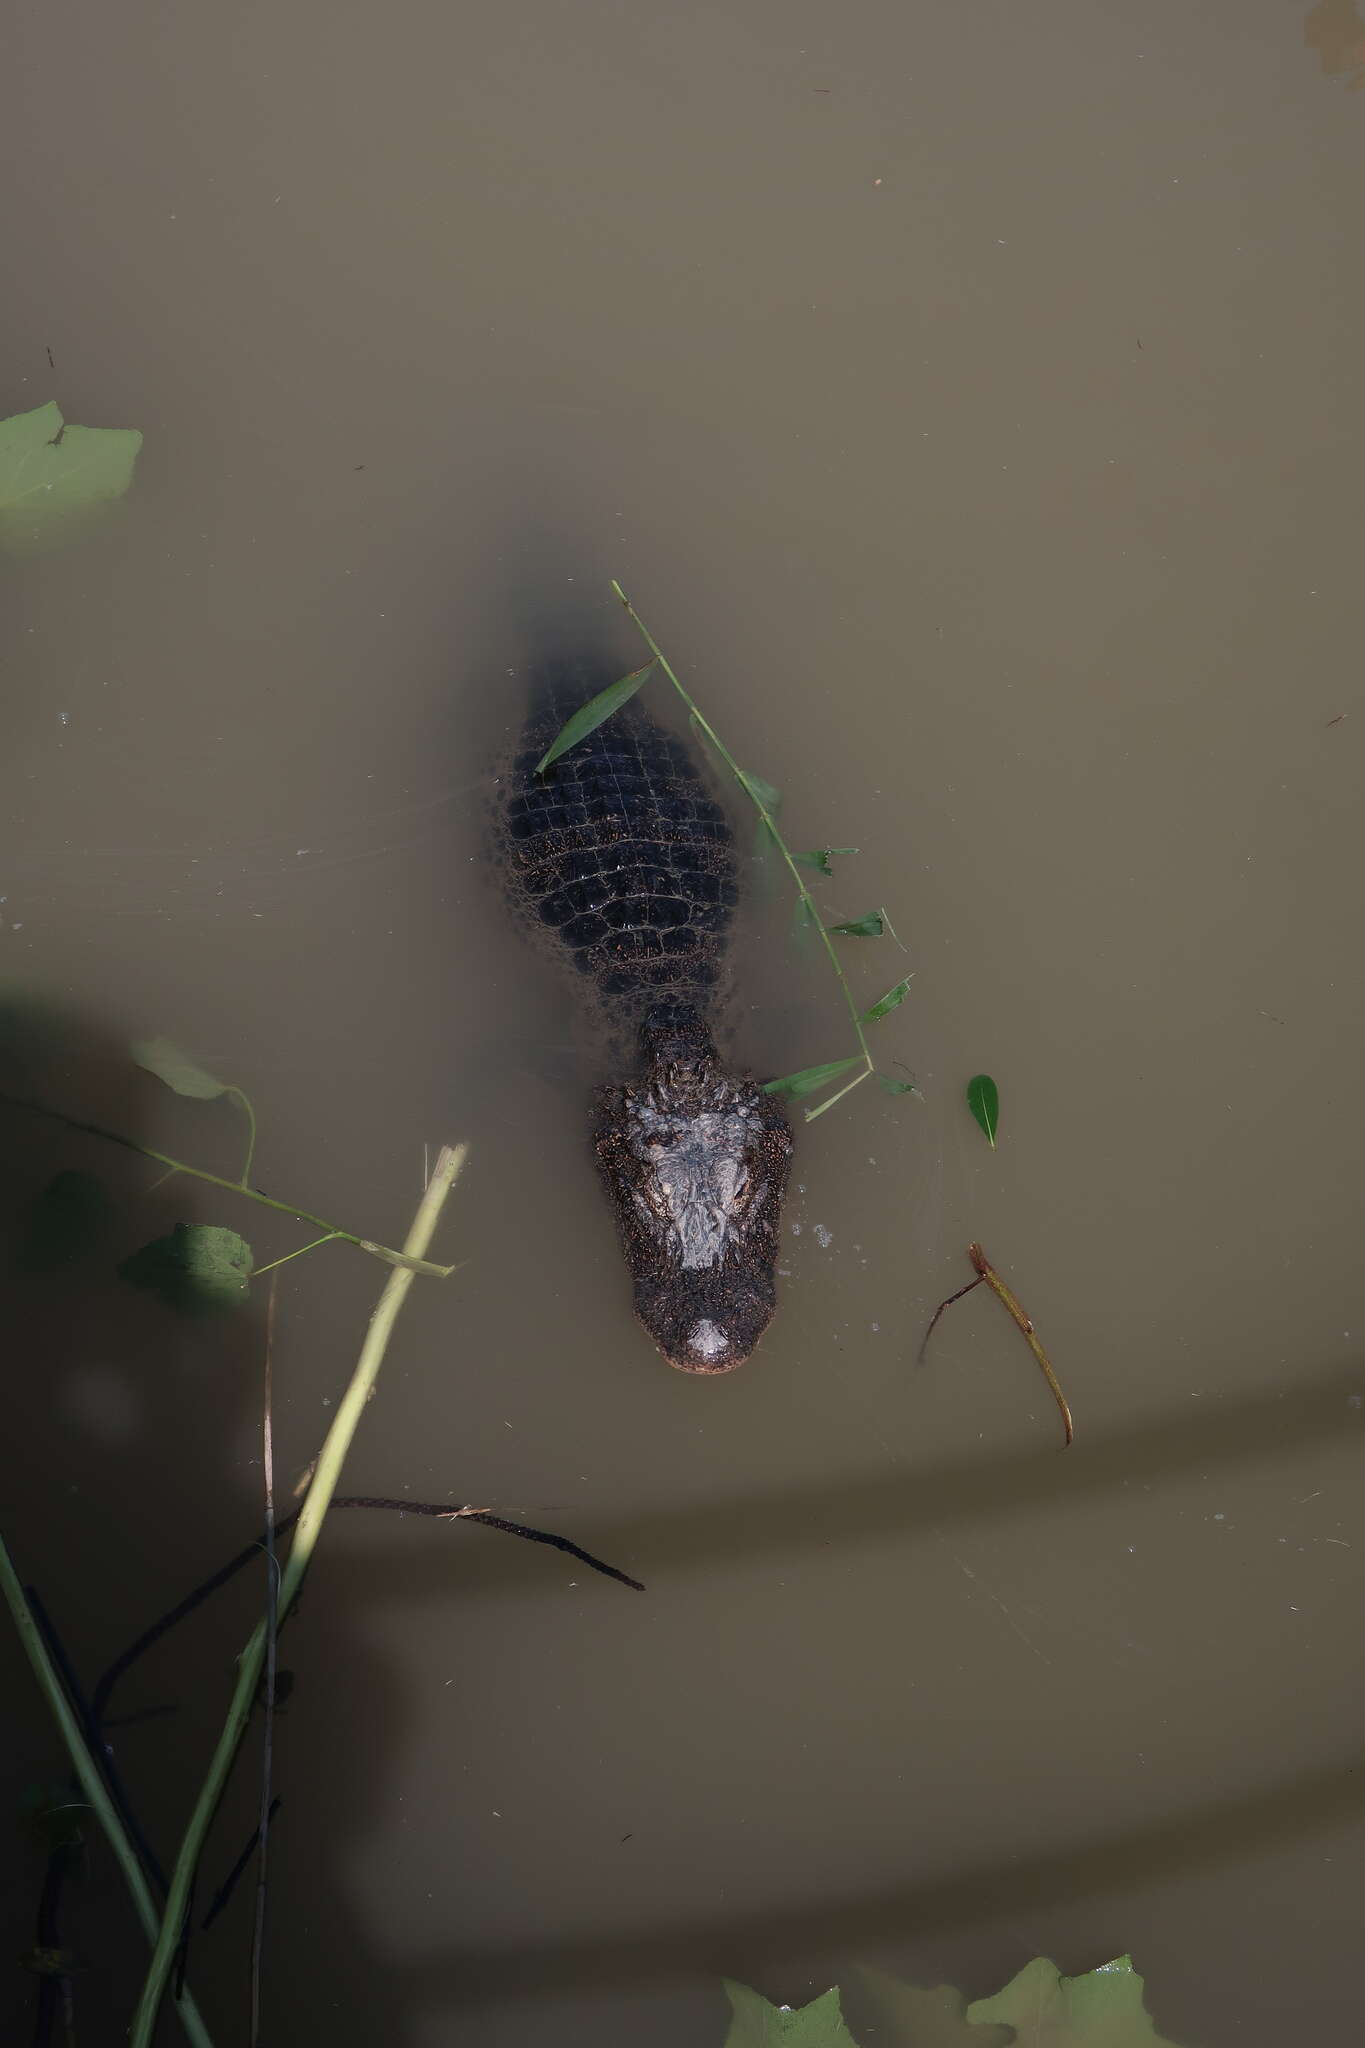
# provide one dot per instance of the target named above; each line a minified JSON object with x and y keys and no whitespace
{"x":626,"y":861}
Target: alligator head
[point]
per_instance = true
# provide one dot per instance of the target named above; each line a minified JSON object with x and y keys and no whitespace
{"x":695,"y":1161}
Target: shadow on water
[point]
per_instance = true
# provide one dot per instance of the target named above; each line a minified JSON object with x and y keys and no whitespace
{"x":134,"y":1470}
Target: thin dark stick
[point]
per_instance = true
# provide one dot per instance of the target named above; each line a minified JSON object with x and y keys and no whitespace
{"x":919,"y":1356}
{"x":272,"y":1589}
{"x":209,"y":1586}
{"x":233,"y":1878}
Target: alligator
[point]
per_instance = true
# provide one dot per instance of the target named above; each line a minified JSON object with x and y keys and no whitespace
{"x":621,"y":856}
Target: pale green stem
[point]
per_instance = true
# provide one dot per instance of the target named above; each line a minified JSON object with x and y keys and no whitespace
{"x":236,"y":1187}
{"x":331,"y":1459}
{"x":258,"y":1270}
{"x":92,"y":1784}
{"x":251,"y":1129}
{"x":743,"y":780}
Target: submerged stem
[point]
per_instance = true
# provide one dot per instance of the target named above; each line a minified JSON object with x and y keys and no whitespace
{"x":330,"y":1462}
{"x":236,"y":1187}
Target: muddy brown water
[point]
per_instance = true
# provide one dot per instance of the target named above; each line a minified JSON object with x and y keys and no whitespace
{"x":970,"y":400}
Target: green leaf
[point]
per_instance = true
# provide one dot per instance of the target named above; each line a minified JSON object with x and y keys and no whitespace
{"x":757,"y":2024}
{"x":765,"y":793}
{"x":1103,"y":2009}
{"x":200,"y":1269}
{"x":870,"y":927}
{"x":811,"y":1079}
{"x":889,"y":1085}
{"x":820,"y":857}
{"x":983,"y":1100}
{"x":158,"y":1056}
{"x":595,"y":712}
{"x":64,"y":1223}
{"x":907,"y":2017}
{"x":892,"y":1000}
{"x":51,"y":473}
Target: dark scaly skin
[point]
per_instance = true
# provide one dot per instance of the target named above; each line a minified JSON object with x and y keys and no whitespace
{"x":623,"y":854}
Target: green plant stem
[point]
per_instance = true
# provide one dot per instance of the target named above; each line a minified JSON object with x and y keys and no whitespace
{"x":236,"y":1187}
{"x":251,"y":1131}
{"x":331,"y":1460}
{"x":770,"y":822}
{"x":257,"y":1271}
{"x":92,"y":1784}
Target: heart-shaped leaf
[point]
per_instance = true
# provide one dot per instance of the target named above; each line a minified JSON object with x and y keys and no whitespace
{"x":200,"y":1269}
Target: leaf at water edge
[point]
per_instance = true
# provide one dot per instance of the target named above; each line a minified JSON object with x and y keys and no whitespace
{"x":1103,"y":2009}
{"x":158,"y":1056}
{"x":595,"y":712}
{"x":983,"y":1100}
{"x":870,"y":926}
{"x":928,"y":2019}
{"x":50,"y":471}
{"x":755,"y":2023}
{"x":892,"y":1000}
{"x":64,"y":1222}
{"x":200,"y":1269}
{"x":811,"y":1079}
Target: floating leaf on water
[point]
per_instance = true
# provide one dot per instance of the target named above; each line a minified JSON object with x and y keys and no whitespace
{"x":869,"y":927}
{"x":821,"y":857}
{"x":65,"y":1222}
{"x":595,"y":712}
{"x":200,"y":1269}
{"x":891,"y":1086}
{"x":755,"y":2023}
{"x":983,"y":1100}
{"x":905,"y":2014}
{"x":810,"y":1079}
{"x":51,"y":473}
{"x":1103,"y":2009}
{"x":158,"y":1056}
{"x":893,"y":998}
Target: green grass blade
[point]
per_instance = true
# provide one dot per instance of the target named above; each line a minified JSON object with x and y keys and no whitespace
{"x":892,"y":1000}
{"x":821,"y":857}
{"x":595,"y":712}
{"x":811,"y":1079}
{"x":869,"y":927}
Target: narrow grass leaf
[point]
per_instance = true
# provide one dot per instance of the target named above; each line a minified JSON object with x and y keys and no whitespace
{"x":595,"y":712}
{"x":810,"y":1079}
{"x":200,"y":1269}
{"x":892,"y":1000}
{"x":983,"y":1100}
{"x":158,"y":1056}
{"x":870,"y":927}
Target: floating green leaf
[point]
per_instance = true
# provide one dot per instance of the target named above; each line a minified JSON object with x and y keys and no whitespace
{"x":811,"y":1079}
{"x":1102,"y":2009}
{"x":821,"y":857}
{"x":755,"y":2023}
{"x":158,"y":1056}
{"x":64,"y":1223}
{"x":200,"y":1269}
{"x":910,"y":2018}
{"x":892,"y":1000}
{"x":595,"y":712}
{"x":51,"y":473}
{"x":891,"y":1086}
{"x":869,"y":927}
{"x":983,"y":1100}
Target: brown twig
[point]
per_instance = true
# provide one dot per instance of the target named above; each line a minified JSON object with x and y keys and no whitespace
{"x":986,"y":1271}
